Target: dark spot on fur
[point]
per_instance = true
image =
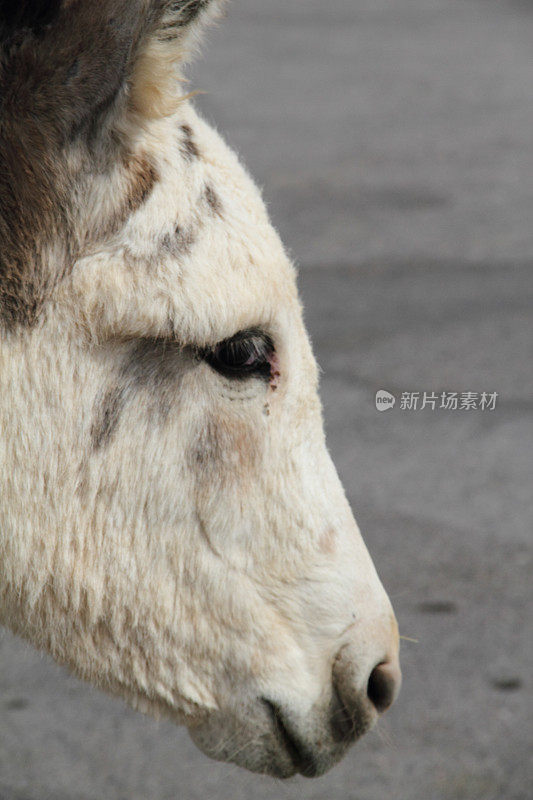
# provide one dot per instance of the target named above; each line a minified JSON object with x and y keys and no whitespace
{"x":213,"y":200}
{"x":186,"y":238}
{"x":107,"y":417}
{"x":154,"y":363}
{"x":181,"y":242}
{"x":149,"y":376}
{"x":188,"y":145}
{"x":206,"y":449}
{"x":142,"y":178}
{"x":155,"y":367}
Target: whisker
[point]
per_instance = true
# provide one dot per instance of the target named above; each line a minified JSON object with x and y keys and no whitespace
{"x":248,"y":743}
{"x":222,"y":744}
{"x":385,"y":736}
{"x":402,"y":593}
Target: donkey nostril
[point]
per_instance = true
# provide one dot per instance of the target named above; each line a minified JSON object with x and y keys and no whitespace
{"x":384,"y":685}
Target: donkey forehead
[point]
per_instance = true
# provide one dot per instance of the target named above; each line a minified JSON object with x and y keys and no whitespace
{"x":199,"y":252}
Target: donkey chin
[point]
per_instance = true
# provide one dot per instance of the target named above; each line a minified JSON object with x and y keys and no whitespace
{"x":277,"y":739}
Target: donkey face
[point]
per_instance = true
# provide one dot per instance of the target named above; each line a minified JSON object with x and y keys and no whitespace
{"x":172,"y":526}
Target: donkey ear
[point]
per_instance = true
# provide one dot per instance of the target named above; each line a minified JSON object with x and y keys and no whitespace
{"x":69,"y":62}
{"x":167,"y":44}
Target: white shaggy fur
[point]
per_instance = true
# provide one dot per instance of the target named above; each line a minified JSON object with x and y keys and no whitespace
{"x":205,"y":557}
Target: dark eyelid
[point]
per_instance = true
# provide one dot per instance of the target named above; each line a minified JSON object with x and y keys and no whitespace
{"x":250,"y":333}
{"x":257,"y":342}
{"x":244,"y":335}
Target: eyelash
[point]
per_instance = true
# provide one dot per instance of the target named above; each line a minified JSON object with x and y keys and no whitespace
{"x":247,"y":354}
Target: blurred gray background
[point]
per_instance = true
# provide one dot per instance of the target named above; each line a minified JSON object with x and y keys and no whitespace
{"x":393,"y":141}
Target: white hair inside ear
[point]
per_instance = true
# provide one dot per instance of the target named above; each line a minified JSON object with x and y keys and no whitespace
{"x":156,"y":85}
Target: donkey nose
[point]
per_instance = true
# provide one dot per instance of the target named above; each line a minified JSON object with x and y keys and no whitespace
{"x":384,"y":684}
{"x":356,"y":703}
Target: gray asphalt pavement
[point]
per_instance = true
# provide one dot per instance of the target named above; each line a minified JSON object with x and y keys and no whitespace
{"x":394,"y":145}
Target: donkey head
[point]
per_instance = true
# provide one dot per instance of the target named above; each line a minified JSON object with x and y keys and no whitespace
{"x":171,"y":524}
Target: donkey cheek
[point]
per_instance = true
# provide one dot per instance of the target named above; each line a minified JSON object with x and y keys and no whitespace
{"x":225,"y":452}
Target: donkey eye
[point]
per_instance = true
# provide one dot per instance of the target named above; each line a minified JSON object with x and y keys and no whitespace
{"x":248,"y":353}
